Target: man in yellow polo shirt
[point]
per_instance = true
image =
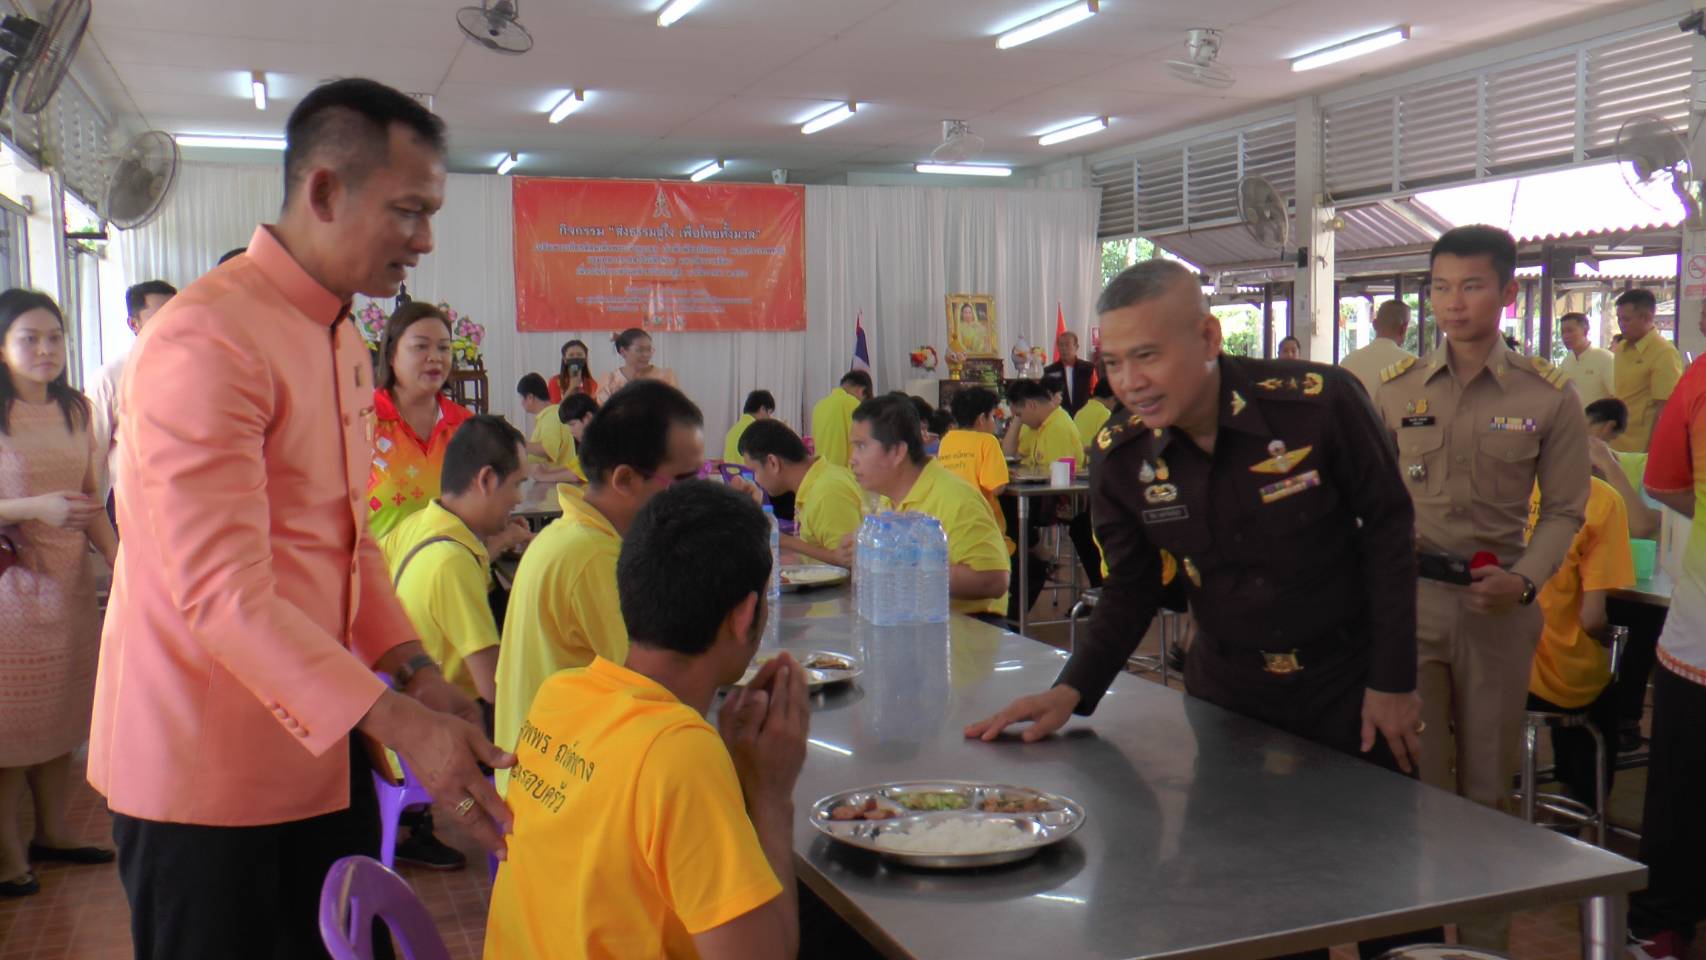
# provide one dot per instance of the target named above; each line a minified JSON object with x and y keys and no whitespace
{"x":760,"y":405}
{"x":832,"y":418}
{"x":1572,"y":666}
{"x":1040,"y":434}
{"x":563,"y":609}
{"x":888,"y":458}
{"x":971,"y":452}
{"x":640,"y":831}
{"x":439,"y":566}
{"x":1647,"y":368}
{"x":1093,"y":416}
{"x":827,"y":500}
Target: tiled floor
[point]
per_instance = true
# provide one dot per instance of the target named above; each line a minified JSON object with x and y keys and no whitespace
{"x":81,"y":914}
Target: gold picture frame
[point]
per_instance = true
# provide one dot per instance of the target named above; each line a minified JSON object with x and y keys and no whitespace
{"x":972,"y":330}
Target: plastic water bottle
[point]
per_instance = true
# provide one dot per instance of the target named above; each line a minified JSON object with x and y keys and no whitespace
{"x":864,"y":568}
{"x":903,"y":571}
{"x":773,"y":595}
{"x":932,"y":579}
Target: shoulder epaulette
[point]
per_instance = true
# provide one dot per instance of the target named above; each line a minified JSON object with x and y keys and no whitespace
{"x":1131,"y":425}
{"x":1310,"y":384}
{"x":1549,"y":373}
{"x":1397,"y":368}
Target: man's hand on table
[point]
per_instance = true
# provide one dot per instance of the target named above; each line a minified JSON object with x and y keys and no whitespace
{"x":1046,"y":712}
{"x":1398,"y":718}
{"x":444,"y":752}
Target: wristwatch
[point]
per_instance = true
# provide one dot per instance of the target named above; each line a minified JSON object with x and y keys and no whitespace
{"x":404,"y":674}
{"x":1528,"y":591}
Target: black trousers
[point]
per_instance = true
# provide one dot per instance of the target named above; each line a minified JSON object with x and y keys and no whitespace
{"x":213,"y":893}
{"x":1572,"y":747}
{"x":1645,"y":623}
{"x":1322,"y":703}
{"x":1673,"y":834}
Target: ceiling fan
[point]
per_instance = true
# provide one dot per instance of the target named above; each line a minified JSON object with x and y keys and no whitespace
{"x":958,"y":144}
{"x":496,"y":25}
{"x":1202,"y":48}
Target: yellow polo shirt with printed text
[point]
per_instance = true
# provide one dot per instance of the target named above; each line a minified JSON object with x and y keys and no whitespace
{"x":830,"y":504}
{"x":631,"y":833}
{"x":976,"y":458}
{"x":563,"y":611}
{"x":443,"y":588}
{"x":973,"y":539}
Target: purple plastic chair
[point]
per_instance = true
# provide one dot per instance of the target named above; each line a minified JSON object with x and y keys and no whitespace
{"x":393,"y":800}
{"x":359,"y":890}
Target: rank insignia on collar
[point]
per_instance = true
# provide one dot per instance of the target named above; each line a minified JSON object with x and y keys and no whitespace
{"x":1135,"y":421}
{"x":1161,"y":493}
{"x":1271,"y":383}
{"x":1238,"y":403}
{"x":1157,"y":431}
{"x":1281,"y":461}
{"x":1192,"y":572}
{"x":1104,"y":439}
{"x":1313,"y":384}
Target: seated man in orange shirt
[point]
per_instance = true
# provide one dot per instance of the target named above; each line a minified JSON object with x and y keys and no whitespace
{"x":1572,"y":667}
{"x":638,"y":831}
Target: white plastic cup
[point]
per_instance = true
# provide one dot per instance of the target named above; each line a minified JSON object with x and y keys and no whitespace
{"x":1060,"y":472}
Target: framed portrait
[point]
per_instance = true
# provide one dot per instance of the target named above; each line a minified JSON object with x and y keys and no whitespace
{"x":971,"y":324}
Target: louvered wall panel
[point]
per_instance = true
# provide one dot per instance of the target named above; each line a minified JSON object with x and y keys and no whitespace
{"x":1211,"y":181}
{"x":1644,"y":74}
{"x":1531,"y":115}
{"x":1361,"y":144}
{"x":1436,"y":133}
{"x":1161,"y":191}
{"x":1117,"y":180}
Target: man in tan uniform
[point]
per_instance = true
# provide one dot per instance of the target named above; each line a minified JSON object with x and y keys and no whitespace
{"x":1648,"y":368}
{"x":1477,"y":426}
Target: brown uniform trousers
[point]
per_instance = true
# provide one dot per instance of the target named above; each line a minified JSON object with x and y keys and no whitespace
{"x":1472,"y":450}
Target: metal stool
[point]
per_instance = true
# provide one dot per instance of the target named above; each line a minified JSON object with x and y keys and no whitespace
{"x":1168,"y":621}
{"x":1528,"y":791}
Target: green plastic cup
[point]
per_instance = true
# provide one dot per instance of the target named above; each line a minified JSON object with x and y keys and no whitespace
{"x":1646,"y":554}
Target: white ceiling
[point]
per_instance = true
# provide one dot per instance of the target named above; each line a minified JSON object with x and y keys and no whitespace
{"x":736,"y":78}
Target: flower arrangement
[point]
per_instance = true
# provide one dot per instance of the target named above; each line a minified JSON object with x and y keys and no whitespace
{"x":466,"y":335}
{"x":924,"y":358}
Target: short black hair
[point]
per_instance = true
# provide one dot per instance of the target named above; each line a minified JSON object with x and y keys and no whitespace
{"x":484,"y":440}
{"x":702,"y":547}
{"x":348,"y":122}
{"x":1286,"y":340}
{"x":232,"y":254}
{"x":858,"y":378}
{"x":1102,"y":388}
{"x":1144,"y":281}
{"x":767,"y":438}
{"x":533,"y":385}
{"x":894,"y":421}
{"x":920,"y":406}
{"x":1610,"y":410}
{"x":576,"y":406}
{"x":1024,"y":391}
{"x":940,"y":422}
{"x":1576,"y":317}
{"x":632,"y":429}
{"x":1479,"y":240}
{"x":136,"y":298}
{"x":971,"y":403}
{"x":1640,"y":298}
{"x":759,"y":400}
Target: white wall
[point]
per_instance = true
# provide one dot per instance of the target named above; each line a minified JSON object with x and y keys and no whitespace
{"x":888,"y":253}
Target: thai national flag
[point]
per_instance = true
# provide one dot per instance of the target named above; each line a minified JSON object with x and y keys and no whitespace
{"x":861,"y":355}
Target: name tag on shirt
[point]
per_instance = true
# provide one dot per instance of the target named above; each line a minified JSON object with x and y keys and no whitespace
{"x":1166,"y":515}
{"x":1426,"y":421}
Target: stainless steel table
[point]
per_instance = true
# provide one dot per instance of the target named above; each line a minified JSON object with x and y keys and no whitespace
{"x":1654,"y":591}
{"x":539,"y":505}
{"x":1208,"y":835}
{"x":1022,"y":491}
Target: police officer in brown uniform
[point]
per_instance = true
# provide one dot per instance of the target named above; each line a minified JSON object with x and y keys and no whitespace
{"x":1275,"y":486}
{"x":1477,"y":427}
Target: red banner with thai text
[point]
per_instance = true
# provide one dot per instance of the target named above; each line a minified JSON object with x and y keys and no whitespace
{"x":659,"y":255}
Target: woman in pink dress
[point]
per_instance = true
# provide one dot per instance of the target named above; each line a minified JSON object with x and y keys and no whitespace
{"x":49,"y":629}
{"x":635,"y":347}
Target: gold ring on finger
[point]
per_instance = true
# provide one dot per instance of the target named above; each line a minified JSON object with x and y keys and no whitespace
{"x":1421,"y":727}
{"x":466,"y":805}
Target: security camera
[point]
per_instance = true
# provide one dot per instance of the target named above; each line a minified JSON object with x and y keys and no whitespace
{"x":778,"y":175}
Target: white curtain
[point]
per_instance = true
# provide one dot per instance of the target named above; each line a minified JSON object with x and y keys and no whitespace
{"x":887,"y":253}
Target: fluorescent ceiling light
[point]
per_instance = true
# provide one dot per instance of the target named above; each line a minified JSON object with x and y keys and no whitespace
{"x":569,"y":104}
{"x":674,"y":10}
{"x":1351,"y":48}
{"x":964,"y":169}
{"x":258,"y":86}
{"x":228,"y":142}
{"x":507,"y":164}
{"x":708,"y":170}
{"x":1046,"y":24}
{"x":829,"y":118}
{"x":1073,"y":132}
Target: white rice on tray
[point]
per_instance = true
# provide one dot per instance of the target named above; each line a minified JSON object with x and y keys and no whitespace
{"x":956,"y":835}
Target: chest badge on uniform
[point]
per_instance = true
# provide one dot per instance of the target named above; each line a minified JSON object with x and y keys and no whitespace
{"x":1104,"y":439}
{"x":1281,"y":663}
{"x":1161,"y":493}
{"x":1279,"y":460}
{"x":1313,"y":384}
{"x":1146,"y":473}
{"x":1513,"y":424}
{"x":1417,"y":471}
{"x":1290,"y":486}
{"x":1417,"y":407}
{"x":1161,"y":472}
{"x":1238,"y":403}
{"x":1192,"y":573}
